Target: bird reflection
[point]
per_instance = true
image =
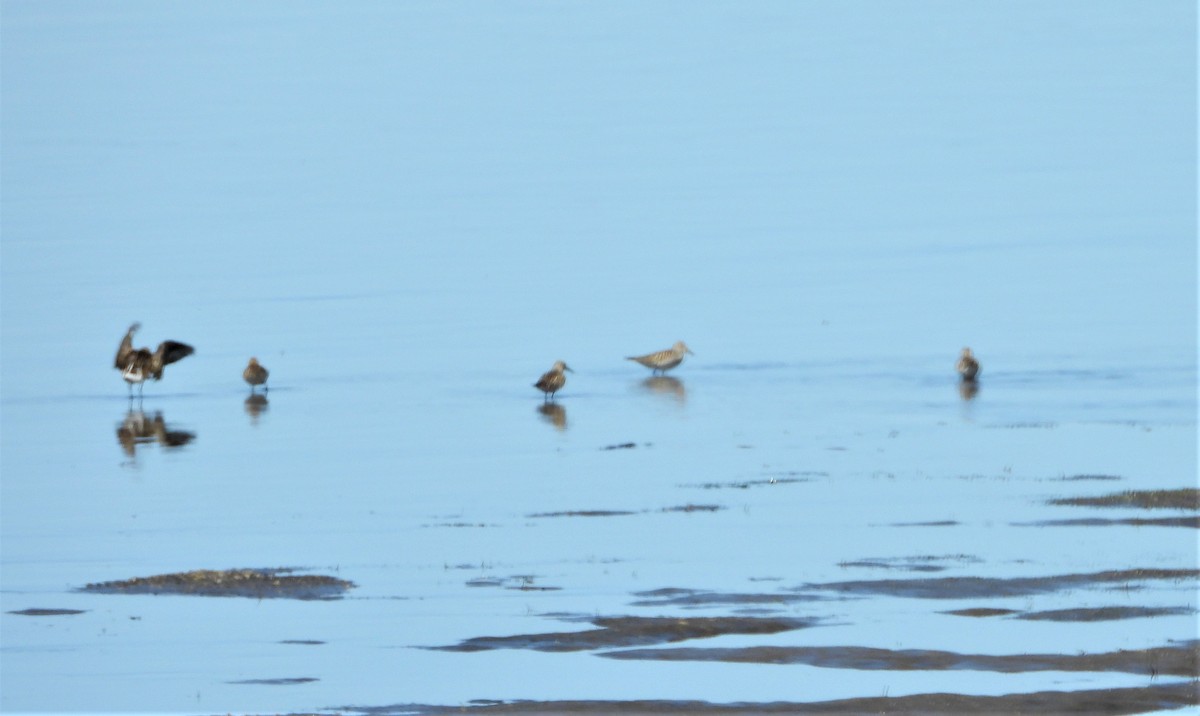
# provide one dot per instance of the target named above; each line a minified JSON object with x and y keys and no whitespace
{"x":554,"y":414}
{"x":137,"y":429}
{"x":667,"y":386}
{"x":255,"y":405}
{"x":967,"y":389}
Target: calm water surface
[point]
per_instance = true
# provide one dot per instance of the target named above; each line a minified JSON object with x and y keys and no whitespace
{"x":409,"y":211}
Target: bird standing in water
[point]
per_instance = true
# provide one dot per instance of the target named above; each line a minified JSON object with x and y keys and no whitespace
{"x":553,"y":380}
{"x":968,"y":367}
{"x":255,"y":375}
{"x":664,"y":360}
{"x":139,"y":364}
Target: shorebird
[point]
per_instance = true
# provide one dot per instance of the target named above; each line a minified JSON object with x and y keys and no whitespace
{"x":663,"y":360}
{"x":967,"y":366}
{"x":139,"y":364}
{"x":553,"y":380}
{"x":255,"y":374}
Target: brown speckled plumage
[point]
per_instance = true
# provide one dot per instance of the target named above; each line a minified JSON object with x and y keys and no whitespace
{"x":968,"y":367}
{"x":255,"y":374}
{"x":663,"y":360}
{"x":553,"y":380}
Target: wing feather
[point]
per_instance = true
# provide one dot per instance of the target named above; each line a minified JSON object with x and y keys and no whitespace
{"x":172,"y":351}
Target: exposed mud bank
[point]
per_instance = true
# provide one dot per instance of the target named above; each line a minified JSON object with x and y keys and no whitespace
{"x":1105,"y":614}
{"x":675,"y":597}
{"x":1113,"y":702}
{"x":620,"y":632}
{"x":1176,"y":660}
{"x":288,"y":681}
{"x":984,"y":587}
{"x":276,"y":583}
{"x":1183,"y":499}
{"x":1191,"y":521}
{"x":1095,"y":614}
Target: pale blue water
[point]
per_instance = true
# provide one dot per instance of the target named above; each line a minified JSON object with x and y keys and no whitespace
{"x":408,"y":211}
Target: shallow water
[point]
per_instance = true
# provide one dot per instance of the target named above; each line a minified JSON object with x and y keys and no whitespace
{"x":409,"y":211}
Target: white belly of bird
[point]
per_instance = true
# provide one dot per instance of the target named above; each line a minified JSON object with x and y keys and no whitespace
{"x":132,"y":374}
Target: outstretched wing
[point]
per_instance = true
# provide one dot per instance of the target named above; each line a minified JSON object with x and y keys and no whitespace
{"x":172,"y":351}
{"x":125,"y":350}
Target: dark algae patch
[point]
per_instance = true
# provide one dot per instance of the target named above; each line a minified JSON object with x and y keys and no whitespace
{"x":1183,"y":499}
{"x":981,"y":612}
{"x":1095,"y":614}
{"x":1192,"y":521}
{"x":583,"y":513}
{"x":278,"y":583}
{"x":623,"y":632}
{"x":624,"y":513}
{"x":986,"y":587}
{"x":676,"y":597}
{"x":1105,"y":614}
{"x":1179,"y":660}
{"x":919,"y":563}
{"x":519,"y":582}
{"x":1156,"y":697}
{"x":693,"y":508}
{"x":746,"y":484}
{"x":38,"y":612}
{"x":276,"y":682}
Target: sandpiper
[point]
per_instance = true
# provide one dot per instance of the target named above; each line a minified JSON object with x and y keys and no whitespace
{"x":967,"y":366}
{"x":664,"y":360}
{"x":255,"y":374}
{"x":139,"y":364}
{"x":553,"y":380}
